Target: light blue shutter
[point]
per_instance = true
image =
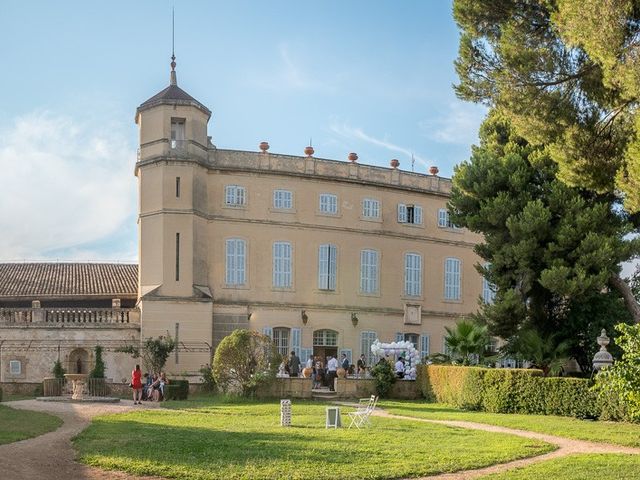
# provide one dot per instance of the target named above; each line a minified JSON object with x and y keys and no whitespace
{"x":347,"y":352}
{"x":417,"y":215}
{"x":333,"y":254}
{"x":240,"y":261}
{"x":402,"y":213}
{"x":399,"y":337}
{"x":231,"y":267}
{"x":305,"y":353}
{"x":424,"y":347}
{"x":295,"y":341}
{"x":268,"y":331}
{"x":323,"y":267}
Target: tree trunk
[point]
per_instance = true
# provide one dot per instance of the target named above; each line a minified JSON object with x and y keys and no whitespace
{"x":629,"y":299}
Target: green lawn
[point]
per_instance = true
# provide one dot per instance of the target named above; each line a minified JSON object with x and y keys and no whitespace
{"x":20,"y":424}
{"x":578,"y":467}
{"x":203,"y":439}
{"x":605,"y":432}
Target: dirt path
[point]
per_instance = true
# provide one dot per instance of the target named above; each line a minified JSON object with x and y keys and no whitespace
{"x":52,"y":455}
{"x":566,"y":446}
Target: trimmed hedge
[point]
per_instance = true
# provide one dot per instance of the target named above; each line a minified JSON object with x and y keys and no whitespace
{"x":176,"y":390}
{"x":510,"y":391}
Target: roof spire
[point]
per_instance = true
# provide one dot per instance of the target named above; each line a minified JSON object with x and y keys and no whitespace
{"x":173,"y":78}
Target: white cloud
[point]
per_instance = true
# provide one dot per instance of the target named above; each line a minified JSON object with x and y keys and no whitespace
{"x":65,"y":184}
{"x":355,"y":133}
{"x":458,"y":125}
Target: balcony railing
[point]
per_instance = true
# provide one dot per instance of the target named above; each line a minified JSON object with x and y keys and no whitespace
{"x":69,"y":316}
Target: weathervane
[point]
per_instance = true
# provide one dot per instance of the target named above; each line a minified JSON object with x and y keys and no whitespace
{"x":174,"y":79}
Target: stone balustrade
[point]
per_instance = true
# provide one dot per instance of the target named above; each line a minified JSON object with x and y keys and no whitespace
{"x":11,"y":316}
{"x":69,"y":316}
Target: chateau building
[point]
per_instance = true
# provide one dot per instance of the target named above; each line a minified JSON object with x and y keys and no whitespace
{"x":325,"y":256}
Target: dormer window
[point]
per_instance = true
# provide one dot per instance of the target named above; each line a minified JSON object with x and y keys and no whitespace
{"x":177,"y":134}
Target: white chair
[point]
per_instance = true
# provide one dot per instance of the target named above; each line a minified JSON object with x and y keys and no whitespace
{"x":360,"y":418}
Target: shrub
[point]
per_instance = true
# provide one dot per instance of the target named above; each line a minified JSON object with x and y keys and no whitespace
{"x":176,"y":390}
{"x":384,"y":377}
{"x":154,"y":352}
{"x":58,"y":371}
{"x":623,"y":377}
{"x":98,"y":368}
{"x":243,"y":361}
{"x":208,"y":382}
{"x":510,"y":391}
{"x":0,"y":394}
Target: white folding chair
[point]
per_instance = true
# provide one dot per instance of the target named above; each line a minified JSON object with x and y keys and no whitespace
{"x":360,"y":418}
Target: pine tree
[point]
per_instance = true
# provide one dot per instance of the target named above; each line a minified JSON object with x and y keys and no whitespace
{"x":565,"y":76}
{"x":550,"y":249}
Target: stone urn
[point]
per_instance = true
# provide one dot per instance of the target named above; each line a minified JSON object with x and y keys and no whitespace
{"x":433,"y":170}
{"x":308,"y":151}
{"x":353,"y":157}
{"x":341,"y":372}
{"x":307,"y":372}
{"x":264,"y":146}
{"x":395,"y":163}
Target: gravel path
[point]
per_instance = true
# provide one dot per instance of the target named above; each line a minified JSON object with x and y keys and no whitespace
{"x":52,"y":455}
{"x":566,"y":446}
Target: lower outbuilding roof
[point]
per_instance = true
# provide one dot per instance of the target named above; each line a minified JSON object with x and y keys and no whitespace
{"x":59,"y":280}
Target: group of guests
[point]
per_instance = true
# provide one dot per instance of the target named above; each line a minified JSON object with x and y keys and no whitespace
{"x":152,"y":389}
{"x":323,"y":372}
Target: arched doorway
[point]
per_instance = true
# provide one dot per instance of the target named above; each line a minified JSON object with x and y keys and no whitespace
{"x":325,"y":342}
{"x":78,"y":361}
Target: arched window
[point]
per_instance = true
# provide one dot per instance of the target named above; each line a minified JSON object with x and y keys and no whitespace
{"x":325,"y":338}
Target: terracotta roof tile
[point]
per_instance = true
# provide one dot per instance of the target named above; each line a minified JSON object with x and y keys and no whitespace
{"x":39,"y":280}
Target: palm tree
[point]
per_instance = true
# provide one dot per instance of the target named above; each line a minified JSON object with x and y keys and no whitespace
{"x":466,"y":339}
{"x":547,"y":354}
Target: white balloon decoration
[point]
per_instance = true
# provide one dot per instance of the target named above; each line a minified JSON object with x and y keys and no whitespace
{"x":412,"y":356}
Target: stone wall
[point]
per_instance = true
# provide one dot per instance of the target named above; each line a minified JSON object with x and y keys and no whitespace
{"x":349,"y":388}
{"x":15,"y":388}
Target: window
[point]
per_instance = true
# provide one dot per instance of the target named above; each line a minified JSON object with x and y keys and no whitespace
{"x":327,"y":267}
{"x":325,"y":338}
{"x":177,"y":257}
{"x":410,"y":214}
{"x":282,"y":265}
{"x":452,"y":279}
{"x":328,"y":203}
{"x":413,"y":338}
{"x":444,"y":221}
{"x":370,"y":208}
{"x":234,"y":195}
{"x":412,"y":274}
{"x":280,"y":338}
{"x":424,"y":347}
{"x":15,"y":367}
{"x":177,"y":134}
{"x":366,"y":340}
{"x":177,"y":187}
{"x":282,"y":199}
{"x":236,"y":257}
{"x":488,"y":288}
{"x":369,"y":271}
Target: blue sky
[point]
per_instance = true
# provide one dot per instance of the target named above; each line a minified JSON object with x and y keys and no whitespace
{"x":370,"y":77}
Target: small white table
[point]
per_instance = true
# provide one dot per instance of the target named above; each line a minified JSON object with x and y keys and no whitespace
{"x":333,"y":418}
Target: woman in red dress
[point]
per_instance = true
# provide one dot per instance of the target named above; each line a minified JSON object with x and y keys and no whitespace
{"x":136,"y":384}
